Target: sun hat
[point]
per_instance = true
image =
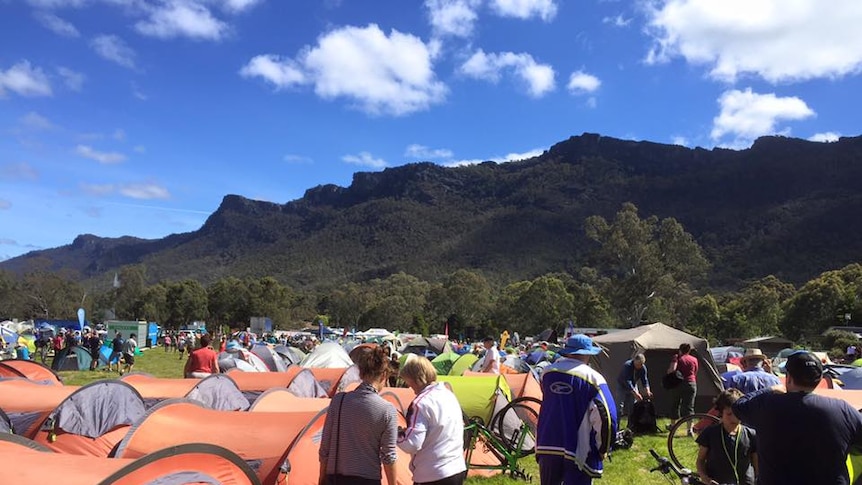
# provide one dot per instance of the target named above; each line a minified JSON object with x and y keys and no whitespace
{"x":580,"y":344}
{"x":752,"y":354}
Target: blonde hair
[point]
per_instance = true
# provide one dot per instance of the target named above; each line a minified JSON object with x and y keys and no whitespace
{"x":420,"y":370}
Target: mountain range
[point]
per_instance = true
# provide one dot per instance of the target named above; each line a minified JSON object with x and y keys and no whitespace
{"x":787,"y":207}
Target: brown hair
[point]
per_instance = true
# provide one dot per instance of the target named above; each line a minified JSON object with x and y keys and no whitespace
{"x":420,"y":370}
{"x":205,"y":340}
{"x":373,"y":363}
{"x":727,"y":398}
{"x":684,"y":348}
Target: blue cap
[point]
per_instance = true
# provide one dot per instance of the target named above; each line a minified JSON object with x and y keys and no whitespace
{"x":580,"y":344}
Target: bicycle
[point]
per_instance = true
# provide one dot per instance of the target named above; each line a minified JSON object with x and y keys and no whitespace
{"x":666,"y":467}
{"x":510,"y":437}
{"x":681,"y":445}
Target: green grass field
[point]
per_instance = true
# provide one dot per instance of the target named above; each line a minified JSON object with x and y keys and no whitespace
{"x":626,"y":467}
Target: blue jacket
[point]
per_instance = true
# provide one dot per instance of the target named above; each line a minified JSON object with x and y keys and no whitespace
{"x":578,"y":418}
{"x":630,"y":376}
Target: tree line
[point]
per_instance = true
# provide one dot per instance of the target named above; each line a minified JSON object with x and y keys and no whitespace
{"x":640,"y":269}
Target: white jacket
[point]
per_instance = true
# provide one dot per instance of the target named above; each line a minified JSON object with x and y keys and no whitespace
{"x":434,"y":435}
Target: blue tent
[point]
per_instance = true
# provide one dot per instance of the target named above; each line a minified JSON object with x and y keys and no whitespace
{"x":9,"y":336}
{"x":58,"y":324}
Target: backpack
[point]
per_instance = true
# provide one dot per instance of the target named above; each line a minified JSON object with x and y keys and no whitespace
{"x":672,"y":380}
{"x":642,"y":418}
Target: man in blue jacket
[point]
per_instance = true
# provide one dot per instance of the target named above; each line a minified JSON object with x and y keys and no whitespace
{"x":578,"y":419}
{"x":634,"y":371}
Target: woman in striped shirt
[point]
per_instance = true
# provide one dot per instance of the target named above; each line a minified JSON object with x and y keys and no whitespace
{"x":361,"y":428}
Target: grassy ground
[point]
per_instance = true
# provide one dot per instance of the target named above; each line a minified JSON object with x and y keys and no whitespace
{"x":626,"y":467}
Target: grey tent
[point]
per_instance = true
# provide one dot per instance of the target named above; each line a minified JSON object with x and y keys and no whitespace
{"x":423,"y":345}
{"x":658,"y":342}
{"x":219,"y":392}
{"x":268,"y":355}
{"x":291,"y":355}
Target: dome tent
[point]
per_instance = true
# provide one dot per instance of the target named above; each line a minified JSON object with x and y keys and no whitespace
{"x":658,"y":342}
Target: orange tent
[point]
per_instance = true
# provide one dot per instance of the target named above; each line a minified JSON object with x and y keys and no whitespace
{"x":852,"y":396}
{"x":29,"y":369}
{"x":400,"y":397}
{"x":282,"y":400}
{"x":28,"y":404}
{"x":15,"y":443}
{"x":260,"y":437}
{"x":212,"y":464}
{"x":92,"y":420}
{"x":334,"y":380}
{"x":301,"y":382}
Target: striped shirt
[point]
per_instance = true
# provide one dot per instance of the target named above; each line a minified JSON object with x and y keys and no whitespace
{"x":359,"y":433}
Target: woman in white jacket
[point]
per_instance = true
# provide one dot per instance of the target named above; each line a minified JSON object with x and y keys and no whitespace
{"x":435,"y":428}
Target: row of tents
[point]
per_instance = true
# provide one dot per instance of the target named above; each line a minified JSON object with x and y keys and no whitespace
{"x":257,"y":416}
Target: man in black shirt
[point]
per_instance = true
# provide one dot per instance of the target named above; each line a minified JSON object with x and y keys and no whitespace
{"x":94,"y":344}
{"x":802,"y":438}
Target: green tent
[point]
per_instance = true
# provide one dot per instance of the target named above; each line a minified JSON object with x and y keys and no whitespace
{"x":857,"y":363}
{"x":480,"y":396}
{"x":443,"y":363}
{"x":463,"y":364}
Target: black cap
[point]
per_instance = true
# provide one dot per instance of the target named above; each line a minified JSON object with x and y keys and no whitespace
{"x":804,"y":367}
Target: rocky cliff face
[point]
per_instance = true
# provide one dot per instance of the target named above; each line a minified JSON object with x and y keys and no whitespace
{"x":785,"y":206}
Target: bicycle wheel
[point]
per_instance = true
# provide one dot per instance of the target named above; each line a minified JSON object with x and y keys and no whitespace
{"x":681,"y":445}
{"x":516,"y":425}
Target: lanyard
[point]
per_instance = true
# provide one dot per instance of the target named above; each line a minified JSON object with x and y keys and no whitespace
{"x":735,"y":460}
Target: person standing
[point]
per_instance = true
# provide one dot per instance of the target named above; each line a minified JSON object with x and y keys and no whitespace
{"x":727,"y":451}
{"x":683,"y":395}
{"x":202,"y":362}
{"x":491,"y":361}
{"x":167,"y":342}
{"x":94,"y":345}
{"x":116,"y":352}
{"x":434,"y":436}
{"x":634,"y":371}
{"x":129,"y":347}
{"x":802,"y":437}
{"x":347,"y":455}
{"x":578,"y":417}
{"x":755,"y":373}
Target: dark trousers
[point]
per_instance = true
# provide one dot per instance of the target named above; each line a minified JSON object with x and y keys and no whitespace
{"x":456,"y":479}
{"x":332,"y":479}
{"x":556,"y":470}
{"x":683,"y":400}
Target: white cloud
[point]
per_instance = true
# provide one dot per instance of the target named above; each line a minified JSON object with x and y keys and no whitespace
{"x":827,"y":137}
{"x":511,"y":157}
{"x":281,"y":72}
{"x":24,"y":80}
{"x":746,"y":115}
{"x":137,"y":93}
{"x":293,"y":158}
{"x":364,"y":159}
{"x":456,"y":18}
{"x":524,"y":9}
{"x":119,"y":135}
{"x":618,"y":21}
{"x":240,"y":5}
{"x":679,"y":140}
{"x":87,"y":151}
{"x":35,"y":121}
{"x":114,"y":49}
{"x":182,"y":18}
{"x":421,"y":152}
{"x":51,"y":4}
{"x":778,"y":40}
{"x":383,"y":74}
{"x":583,"y":83}
{"x":5,"y":205}
{"x":144,"y":191}
{"x":57,"y":25}
{"x":140,"y":149}
{"x":72,"y":79}
{"x":539,"y":78}
{"x":18,"y":171}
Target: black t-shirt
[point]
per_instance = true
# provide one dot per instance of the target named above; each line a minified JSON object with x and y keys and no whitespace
{"x":725,"y":451}
{"x":93,"y":343}
{"x":802,"y":438}
{"x":117,"y":344}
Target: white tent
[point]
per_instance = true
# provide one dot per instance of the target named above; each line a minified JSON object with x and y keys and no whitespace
{"x":328,"y":355}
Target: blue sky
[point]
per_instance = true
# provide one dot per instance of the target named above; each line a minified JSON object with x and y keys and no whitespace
{"x":135,"y":117}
